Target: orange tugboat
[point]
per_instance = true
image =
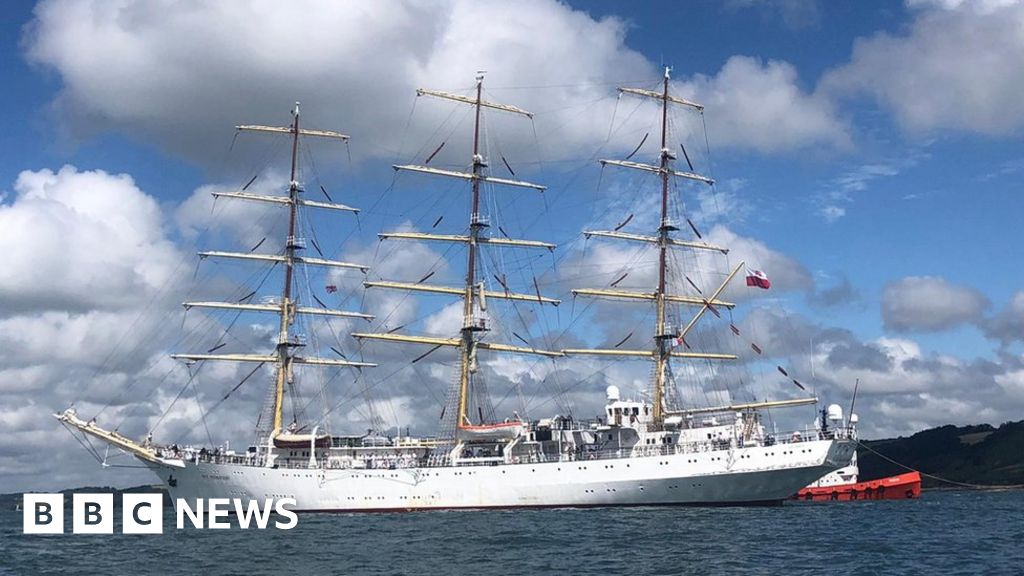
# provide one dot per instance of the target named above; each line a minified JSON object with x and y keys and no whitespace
{"x":842,"y":485}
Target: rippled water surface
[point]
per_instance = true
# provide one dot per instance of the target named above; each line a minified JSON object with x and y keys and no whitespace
{"x":943,"y":533}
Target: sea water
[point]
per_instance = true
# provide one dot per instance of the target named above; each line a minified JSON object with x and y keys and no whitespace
{"x":943,"y":533}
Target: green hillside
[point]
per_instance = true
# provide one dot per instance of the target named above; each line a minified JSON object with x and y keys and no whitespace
{"x":973,"y":454}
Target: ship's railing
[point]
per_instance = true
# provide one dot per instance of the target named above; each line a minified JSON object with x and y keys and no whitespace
{"x":204,"y":456}
{"x":619,"y":453}
{"x":300,"y":463}
{"x":217,"y":456}
{"x":808,"y":435}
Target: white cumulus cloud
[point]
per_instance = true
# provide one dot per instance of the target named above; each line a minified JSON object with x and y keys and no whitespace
{"x":928,"y":303}
{"x":77,"y":240}
{"x":180,"y":74}
{"x":760,"y":105}
{"x":955,"y":68}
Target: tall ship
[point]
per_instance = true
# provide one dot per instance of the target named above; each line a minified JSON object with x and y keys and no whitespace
{"x":644,"y":450}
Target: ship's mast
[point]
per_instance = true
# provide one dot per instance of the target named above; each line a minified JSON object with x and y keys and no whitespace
{"x":661,"y":339}
{"x":664,"y":339}
{"x":469,"y":327}
{"x":474,"y":293}
{"x":286,"y":308}
{"x":284,"y":363}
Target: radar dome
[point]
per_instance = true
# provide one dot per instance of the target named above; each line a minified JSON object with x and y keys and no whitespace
{"x":613,"y":393}
{"x":835,"y":412}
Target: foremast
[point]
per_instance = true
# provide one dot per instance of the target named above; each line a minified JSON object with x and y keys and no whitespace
{"x":285,"y":356}
{"x":474,"y":293}
{"x":664,"y":338}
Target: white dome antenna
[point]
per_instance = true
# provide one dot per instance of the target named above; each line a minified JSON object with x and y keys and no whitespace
{"x":835,"y":413}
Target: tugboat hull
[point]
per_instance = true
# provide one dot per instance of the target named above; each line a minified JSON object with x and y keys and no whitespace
{"x":899,"y":487}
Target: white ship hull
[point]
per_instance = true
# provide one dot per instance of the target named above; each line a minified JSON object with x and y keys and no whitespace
{"x":755,"y":475}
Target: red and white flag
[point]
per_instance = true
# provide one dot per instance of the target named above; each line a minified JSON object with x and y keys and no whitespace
{"x":678,"y":340}
{"x":758,"y":279}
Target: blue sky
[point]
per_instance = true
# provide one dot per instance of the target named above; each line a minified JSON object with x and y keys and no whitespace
{"x":872,"y":151}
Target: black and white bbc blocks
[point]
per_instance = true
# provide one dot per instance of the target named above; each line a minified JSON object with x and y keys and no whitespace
{"x":93,"y":513}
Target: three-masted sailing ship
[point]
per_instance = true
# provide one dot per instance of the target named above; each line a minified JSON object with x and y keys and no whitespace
{"x":639,"y":452}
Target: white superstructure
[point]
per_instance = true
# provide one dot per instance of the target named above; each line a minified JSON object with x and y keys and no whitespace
{"x":847,"y":474}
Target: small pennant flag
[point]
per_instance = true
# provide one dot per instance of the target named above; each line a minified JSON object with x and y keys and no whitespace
{"x":331,"y":288}
{"x":758,"y":279}
{"x":783,"y":371}
{"x":734,"y":329}
{"x":799,"y":385}
{"x":755,"y":347}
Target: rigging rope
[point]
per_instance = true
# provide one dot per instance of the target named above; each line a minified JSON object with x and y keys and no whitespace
{"x":939,"y":478}
{"x":202,"y":414}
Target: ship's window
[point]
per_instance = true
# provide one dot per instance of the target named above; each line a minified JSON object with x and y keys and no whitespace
{"x":618,"y":411}
{"x":646,"y":409}
{"x":609,"y":436}
{"x":636,"y":411}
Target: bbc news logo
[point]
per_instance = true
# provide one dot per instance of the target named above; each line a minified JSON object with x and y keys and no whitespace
{"x":144,"y":513}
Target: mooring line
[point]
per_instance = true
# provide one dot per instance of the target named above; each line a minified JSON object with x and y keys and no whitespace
{"x":939,"y":478}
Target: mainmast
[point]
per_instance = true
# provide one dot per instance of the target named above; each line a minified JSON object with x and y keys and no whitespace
{"x":286,"y":307}
{"x":664,"y":338}
{"x":469,"y":326}
{"x":284,"y":343}
{"x":474,"y":293}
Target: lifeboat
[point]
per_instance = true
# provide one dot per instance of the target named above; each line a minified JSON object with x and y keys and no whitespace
{"x":301,"y":441}
{"x":500,"y":431}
